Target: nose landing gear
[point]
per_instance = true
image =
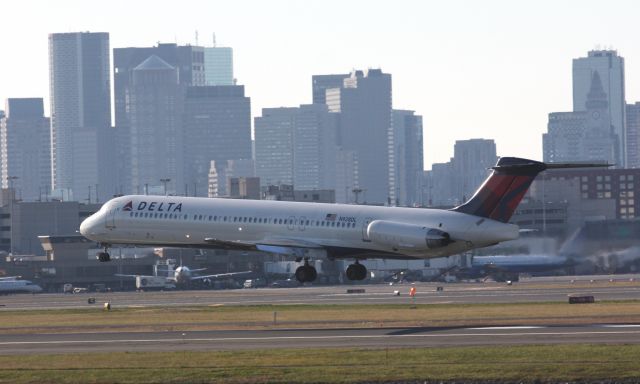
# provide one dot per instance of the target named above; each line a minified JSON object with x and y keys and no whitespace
{"x":104,"y":256}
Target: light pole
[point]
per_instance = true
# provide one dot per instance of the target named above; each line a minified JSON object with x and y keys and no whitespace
{"x":12,"y":196}
{"x":356,"y":192}
{"x":164,"y":183}
{"x":544,"y":213}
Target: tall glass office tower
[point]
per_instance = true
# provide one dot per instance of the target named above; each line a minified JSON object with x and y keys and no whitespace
{"x":81,"y":134}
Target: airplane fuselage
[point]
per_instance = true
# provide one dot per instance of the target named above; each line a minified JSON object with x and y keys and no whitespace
{"x":19,"y":286}
{"x":342,"y":230}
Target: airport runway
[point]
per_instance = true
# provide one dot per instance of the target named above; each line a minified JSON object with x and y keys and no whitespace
{"x":315,"y":338}
{"x":532,"y":290}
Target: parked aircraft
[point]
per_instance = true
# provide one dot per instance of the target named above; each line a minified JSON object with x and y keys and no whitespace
{"x":509,"y":267}
{"x":183,"y":275}
{"x":14,"y":284}
{"x":304,"y":230}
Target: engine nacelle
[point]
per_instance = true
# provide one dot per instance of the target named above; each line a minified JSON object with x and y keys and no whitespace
{"x":406,"y":236}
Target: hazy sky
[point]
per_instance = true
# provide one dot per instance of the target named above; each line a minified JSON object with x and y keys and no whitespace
{"x":472,"y":69}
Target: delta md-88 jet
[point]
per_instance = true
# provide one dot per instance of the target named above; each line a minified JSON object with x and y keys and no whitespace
{"x":335,"y":231}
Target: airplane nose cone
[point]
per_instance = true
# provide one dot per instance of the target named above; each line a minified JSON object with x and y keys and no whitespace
{"x":84,"y":227}
{"x":88,"y":228}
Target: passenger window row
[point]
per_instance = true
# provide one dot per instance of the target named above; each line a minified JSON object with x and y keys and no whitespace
{"x":238,"y":219}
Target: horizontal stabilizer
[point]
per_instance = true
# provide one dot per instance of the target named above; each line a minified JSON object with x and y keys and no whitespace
{"x":577,"y":165}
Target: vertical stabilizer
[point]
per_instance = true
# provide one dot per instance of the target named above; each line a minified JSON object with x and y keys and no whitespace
{"x":501,"y":192}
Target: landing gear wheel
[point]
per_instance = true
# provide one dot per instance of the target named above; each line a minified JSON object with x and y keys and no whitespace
{"x":306,"y":273}
{"x":104,"y":257}
{"x":356,"y":271}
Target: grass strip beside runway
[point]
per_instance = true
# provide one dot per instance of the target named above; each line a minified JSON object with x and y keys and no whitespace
{"x":558,"y":363}
{"x":316,"y":316}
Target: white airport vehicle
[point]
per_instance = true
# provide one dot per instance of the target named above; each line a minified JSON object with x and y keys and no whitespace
{"x":153,"y":282}
{"x":16,"y":285}
{"x":303,"y":230}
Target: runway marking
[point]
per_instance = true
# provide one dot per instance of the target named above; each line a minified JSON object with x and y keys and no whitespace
{"x":329,"y":337}
{"x":461,"y":294}
{"x":508,"y":327}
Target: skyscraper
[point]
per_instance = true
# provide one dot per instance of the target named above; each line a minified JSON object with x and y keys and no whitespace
{"x":297,"y":146}
{"x":320,"y":84}
{"x":471,"y":163}
{"x":347,"y":189}
{"x":633,"y":135}
{"x":408,"y":157}
{"x":189,"y":62}
{"x":25,"y":149}
{"x":314,"y":153}
{"x":439,"y":186}
{"x":155,"y":104}
{"x":364,"y":104}
{"x":274,"y":132}
{"x":218,"y":65}
{"x":216,"y":126}
{"x":582,"y":135}
{"x":81,"y":134}
{"x":610,"y":68}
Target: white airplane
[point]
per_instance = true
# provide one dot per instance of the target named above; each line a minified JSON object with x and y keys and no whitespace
{"x":183,"y":275}
{"x":336,"y":231}
{"x":13,"y":284}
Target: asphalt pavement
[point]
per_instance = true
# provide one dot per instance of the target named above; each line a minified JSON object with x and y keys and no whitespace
{"x":315,"y":338}
{"x":531,"y":290}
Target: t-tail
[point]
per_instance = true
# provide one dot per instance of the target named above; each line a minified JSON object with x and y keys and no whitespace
{"x":501,"y":192}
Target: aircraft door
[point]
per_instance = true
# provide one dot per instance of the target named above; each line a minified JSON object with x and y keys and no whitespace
{"x":302,"y":223}
{"x":111,"y":218}
{"x":365,"y":225}
{"x":291,"y":223}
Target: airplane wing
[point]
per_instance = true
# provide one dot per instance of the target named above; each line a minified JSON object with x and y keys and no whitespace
{"x":10,"y":278}
{"x":221,"y":275}
{"x":283,"y":246}
{"x":230,"y":244}
{"x":129,"y":276}
{"x":292,"y":247}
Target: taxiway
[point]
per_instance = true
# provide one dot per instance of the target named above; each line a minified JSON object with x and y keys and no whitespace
{"x":531,"y":290}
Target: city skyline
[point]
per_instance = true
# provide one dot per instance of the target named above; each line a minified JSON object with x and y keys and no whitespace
{"x":452,"y":63}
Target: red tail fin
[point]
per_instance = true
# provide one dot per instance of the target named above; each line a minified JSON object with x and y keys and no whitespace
{"x":500,"y":194}
{"x":502,"y":191}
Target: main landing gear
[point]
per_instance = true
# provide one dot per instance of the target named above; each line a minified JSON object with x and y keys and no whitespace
{"x":356,"y":271}
{"x":306,"y":273}
{"x":104,"y":256}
